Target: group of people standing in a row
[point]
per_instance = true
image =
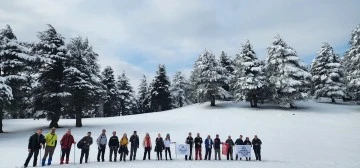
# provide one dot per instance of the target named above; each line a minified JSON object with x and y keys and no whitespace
{"x":116,"y":145}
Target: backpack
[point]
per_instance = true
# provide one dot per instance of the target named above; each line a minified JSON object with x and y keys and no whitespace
{"x":80,"y":144}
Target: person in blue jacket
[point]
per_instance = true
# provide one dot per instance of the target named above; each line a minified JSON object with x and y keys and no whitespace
{"x":208,"y":147}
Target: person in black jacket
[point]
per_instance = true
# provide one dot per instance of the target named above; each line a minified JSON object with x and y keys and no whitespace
{"x":114,"y":146}
{"x":190,"y":141}
{"x":247,"y":142}
{"x":198,"y":141}
{"x":134,"y":140}
{"x":159,"y":146}
{"x":257,"y":147}
{"x":217,"y":144}
{"x":239,"y":141}
{"x":230,"y":149}
{"x":87,"y":141}
{"x":36,"y":141}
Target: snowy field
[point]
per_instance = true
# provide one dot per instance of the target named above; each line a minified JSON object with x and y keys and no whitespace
{"x":318,"y":135}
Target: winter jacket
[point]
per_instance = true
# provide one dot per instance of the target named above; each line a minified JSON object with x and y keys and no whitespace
{"x":134,"y":139}
{"x":190,"y":141}
{"x":35,"y":140}
{"x":230,"y":142}
{"x":124,"y":141}
{"x":87,"y":140}
{"x":159,"y":144}
{"x":102,"y":140}
{"x":114,"y":141}
{"x":198,"y":142}
{"x":256,"y":143}
{"x":247,"y":142}
{"x":147,"y":142}
{"x":217,"y":143}
{"x":208,"y":143}
{"x":66,"y":141}
{"x":167,"y":143}
{"x":239,"y":142}
{"x":51,"y":139}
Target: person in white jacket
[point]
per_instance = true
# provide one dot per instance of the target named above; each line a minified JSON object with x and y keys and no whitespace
{"x":101,"y":142}
{"x":167,"y":143}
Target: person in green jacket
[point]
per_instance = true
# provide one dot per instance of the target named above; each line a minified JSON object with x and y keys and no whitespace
{"x":50,"y":141}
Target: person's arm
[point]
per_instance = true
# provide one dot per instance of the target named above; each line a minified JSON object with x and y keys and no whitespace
{"x":29,"y":144}
{"x":137,"y":141}
{"x":98,"y":141}
{"x":91,"y":140}
{"x":73,"y":140}
{"x":260,"y":143}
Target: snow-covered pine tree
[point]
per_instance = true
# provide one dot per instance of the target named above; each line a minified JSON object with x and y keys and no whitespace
{"x":5,"y":98}
{"x":14,"y":60}
{"x":209,"y":77}
{"x":144,"y":96}
{"x":249,"y":79}
{"x":78,"y":78}
{"x":327,"y":74}
{"x":179,"y":89}
{"x":52,"y":52}
{"x":287,"y":77}
{"x":110,"y":107}
{"x":160,"y":94}
{"x":127,"y":101}
{"x":352,"y":65}
{"x":229,"y":65}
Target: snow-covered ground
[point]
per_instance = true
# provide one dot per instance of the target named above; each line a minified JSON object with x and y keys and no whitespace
{"x":320,"y":135}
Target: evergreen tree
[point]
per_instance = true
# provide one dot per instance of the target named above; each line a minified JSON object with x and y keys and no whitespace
{"x":5,"y":98}
{"x":14,"y":60}
{"x":327,"y":74}
{"x":127,"y":101}
{"x":144,"y":96}
{"x":209,"y":77}
{"x":110,"y":104}
{"x":78,"y":78}
{"x":288,"y":79}
{"x":249,"y":77}
{"x":229,"y":65}
{"x":52,"y":52}
{"x":179,"y":90}
{"x":352,"y":65}
{"x":160,"y":94}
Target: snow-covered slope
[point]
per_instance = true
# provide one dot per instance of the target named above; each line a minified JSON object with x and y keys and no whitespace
{"x":317,"y":135}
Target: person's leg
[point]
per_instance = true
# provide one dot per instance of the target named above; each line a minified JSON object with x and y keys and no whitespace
{"x":215,"y":150}
{"x":28,"y":158}
{"x":115,"y":153}
{"x":124,"y":155}
{"x":160,"y":155}
{"x":166,"y":151}
{"x":200,"y":149}
{"x":87,"y":155}
{"x":186,"y":157}
{"x":190,"y":153}
{"x":149,"y":149}
{"x":231,"y":154}
{"x":209,"y":154}
{"x":206,"y":153}
{"x":36,"y":153}
{"x":46,"y":153}
{"x":62,"y":156}
{"x":82,"y":155}
{"x":51,"y":153}
{"x":135,"y":150}
{"x":259,"y":154}
{"x":145,"y":152}
{"x":103,"y":148}
{"x":121,"y":153}
{"x":67,"y":155}
{"x":98,"y":155}
{"x":170,"y":154}
{"x":157,"y":155}
{"x":111,"y":153}
{"x":131,"y":152}
{"x":196,"y":153}
{"x":256,"y":157}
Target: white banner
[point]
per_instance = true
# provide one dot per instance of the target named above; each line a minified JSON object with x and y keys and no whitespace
{"x":182,"y":149}
{"x":243,"y":150}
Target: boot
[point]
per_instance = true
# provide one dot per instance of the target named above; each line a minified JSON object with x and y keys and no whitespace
{"x":62,"y":161}
{"x":67,"y":161}
{"x":43,"y":162}
{"x":49,"y":161}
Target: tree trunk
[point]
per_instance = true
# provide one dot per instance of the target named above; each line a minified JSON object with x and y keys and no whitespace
{"x":292,"y":106}
{"x":332,"y":100}
{"x":1,"y":120}
{"x":56,"y":117}
{"x":78,"y":116}
{"x":251,"y":103}
{"x":181,"y":102}
{"x":54,"y":123}
{"x":212,"y":100}
{"x":255,"y":99}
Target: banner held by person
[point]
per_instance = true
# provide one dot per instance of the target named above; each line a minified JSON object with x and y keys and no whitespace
{"x":182,"y":149}
{"x":243,"y":150}
{"x":225,"y":148}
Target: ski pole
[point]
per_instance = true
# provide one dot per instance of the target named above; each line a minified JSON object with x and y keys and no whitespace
{"x":74,"y":153}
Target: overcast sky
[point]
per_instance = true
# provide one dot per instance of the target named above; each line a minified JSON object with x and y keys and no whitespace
{"x":136,"y":35}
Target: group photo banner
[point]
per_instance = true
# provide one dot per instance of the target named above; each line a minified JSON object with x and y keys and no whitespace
{"x":182,"y":149}
{"x":243,"y":150}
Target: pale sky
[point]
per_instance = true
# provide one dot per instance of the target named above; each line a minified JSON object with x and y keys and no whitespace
{"x":136,"y":35}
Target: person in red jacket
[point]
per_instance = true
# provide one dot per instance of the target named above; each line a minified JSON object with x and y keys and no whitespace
{"x":66,"y":142}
